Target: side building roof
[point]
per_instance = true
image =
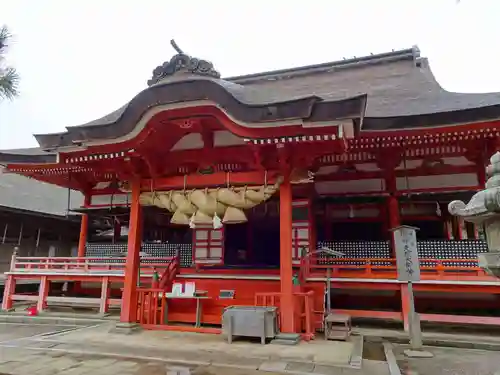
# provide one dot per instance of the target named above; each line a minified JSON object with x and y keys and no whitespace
{"x":25,"y":194}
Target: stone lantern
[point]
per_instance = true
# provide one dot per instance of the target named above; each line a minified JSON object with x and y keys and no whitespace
{"x":484,"y":209}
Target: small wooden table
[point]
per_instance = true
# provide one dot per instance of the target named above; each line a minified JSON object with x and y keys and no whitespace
{"x":199,"y":307}
{"x":337,"y":326}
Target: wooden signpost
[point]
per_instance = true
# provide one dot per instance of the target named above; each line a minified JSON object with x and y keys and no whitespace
{"x":408,"y":266}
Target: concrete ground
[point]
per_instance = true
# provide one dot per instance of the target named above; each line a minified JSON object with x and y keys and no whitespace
{"x":42,"y":345}
{"x":58,"y":349}
{"x":213,"y":347}
{"x":450,"y":361}
{"x":481,"y":338}
{"x":12,"y":331}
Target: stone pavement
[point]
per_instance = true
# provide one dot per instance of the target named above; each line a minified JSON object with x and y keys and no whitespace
{"x":483,"y":339}
{"x":193,"y":346}
{"x":22,"y":361}
{"x":86,"y":350}
{"x":452,"y":361}
{"x":15,"y":331}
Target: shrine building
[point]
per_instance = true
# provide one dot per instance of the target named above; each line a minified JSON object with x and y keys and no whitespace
{"x":258,"y":189}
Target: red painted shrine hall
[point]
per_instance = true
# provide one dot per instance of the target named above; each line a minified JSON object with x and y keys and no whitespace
{"x":227,"y":188}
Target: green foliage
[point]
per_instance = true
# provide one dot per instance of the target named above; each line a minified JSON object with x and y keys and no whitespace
{"x":9,"y":79}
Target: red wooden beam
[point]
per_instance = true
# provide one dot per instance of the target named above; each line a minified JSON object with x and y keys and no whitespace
{"x":170,"y":119}
{"x":215,"y":179}
{"x":415,"y":172}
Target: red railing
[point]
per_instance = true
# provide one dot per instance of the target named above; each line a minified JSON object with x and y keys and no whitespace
{"x":168,"y":276}
{"x":86,"y":264}
{"x":372,"y":267}
{"x":151,"y":305}
{"x":304,"y":309}
{"x":152,"y":310}
{"x":312,"y":266}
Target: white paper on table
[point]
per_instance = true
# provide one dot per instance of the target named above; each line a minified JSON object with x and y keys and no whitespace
{"x":189,"y":289}
{"x":176,"y":289}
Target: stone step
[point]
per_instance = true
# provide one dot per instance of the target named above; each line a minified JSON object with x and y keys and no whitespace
{"x":286,"y":339}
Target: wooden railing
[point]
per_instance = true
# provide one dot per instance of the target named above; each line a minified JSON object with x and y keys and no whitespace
{"x":151,"y":305}
{"x":152,"y":311}
{"x":304,"y":310}
{"x":168,"y":267}
{"x":372,"y":267}
{"x":85,"y":264}
{"x":168,"y":276}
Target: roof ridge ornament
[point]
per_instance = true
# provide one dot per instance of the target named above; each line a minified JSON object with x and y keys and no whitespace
{"x":182,"y":63}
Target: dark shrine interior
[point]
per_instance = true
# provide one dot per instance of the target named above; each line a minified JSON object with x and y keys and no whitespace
{"x":255,"y":243}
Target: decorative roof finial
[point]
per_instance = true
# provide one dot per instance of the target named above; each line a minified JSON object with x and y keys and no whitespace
{"x":182,"y":63}
{"x":176,"y":47}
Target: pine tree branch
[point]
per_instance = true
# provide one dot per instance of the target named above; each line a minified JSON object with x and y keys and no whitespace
{"x":9,"y":83}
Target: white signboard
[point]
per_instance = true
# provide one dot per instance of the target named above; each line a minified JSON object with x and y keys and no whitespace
{"x":405,"y":242}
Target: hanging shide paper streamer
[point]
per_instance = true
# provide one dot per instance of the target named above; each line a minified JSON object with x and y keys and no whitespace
{"x":191,"y":223}
{"x":217,"y":222}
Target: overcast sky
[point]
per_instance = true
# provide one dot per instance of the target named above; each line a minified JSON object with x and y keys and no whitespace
{"x":79,"y":60}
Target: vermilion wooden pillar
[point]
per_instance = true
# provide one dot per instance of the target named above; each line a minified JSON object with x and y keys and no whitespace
{"x":129,"y":301}
{"x":84,"y":229}
{"x":287,"y":308}
{"x":82,"y":241}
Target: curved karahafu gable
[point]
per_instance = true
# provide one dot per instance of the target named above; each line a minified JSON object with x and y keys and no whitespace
{"x":187,"y":81}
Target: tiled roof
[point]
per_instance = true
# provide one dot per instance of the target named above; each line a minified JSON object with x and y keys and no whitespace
{"x":27,"y":194}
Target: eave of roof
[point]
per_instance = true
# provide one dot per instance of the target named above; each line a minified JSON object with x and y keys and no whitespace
{"x":248,"y":106}
{"x":402,"y":94}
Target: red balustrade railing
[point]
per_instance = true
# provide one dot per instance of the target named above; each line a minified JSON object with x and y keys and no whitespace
{"x":151,"y":305}
{"x":168,"y":276}
{"x":311,"y":266}
{"x":370,"y":267}
{"x":304,"y":309}
{"x":86,"y":264}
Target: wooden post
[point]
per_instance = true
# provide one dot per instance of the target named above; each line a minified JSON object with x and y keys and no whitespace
{"x":117,"y":230}
{"x":19,"y":239}
{"x":461,"y":229}
{"x":405,"y":306}
{"x":82,"y":241}
{"x":287,"y":308}
{"x":129,"y":301}
{"x":43,"y":292}
{"x":37,"y":244}
{"x":9,"y":290}
{"x":5,"y":229}
{"x":104,"y":306}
